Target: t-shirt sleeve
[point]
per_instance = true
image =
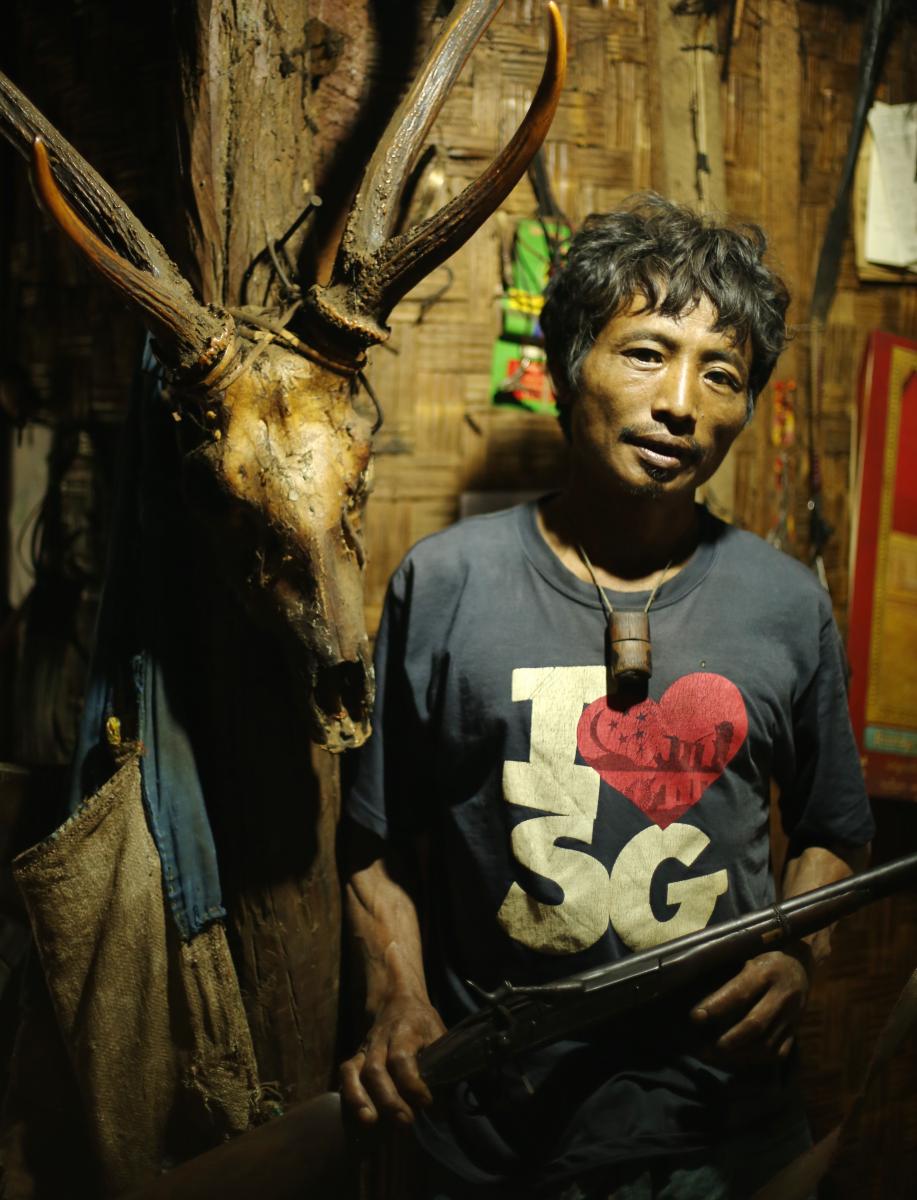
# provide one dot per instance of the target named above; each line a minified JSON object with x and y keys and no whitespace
{"x":825,"y":800}
{"x":384,"y":779}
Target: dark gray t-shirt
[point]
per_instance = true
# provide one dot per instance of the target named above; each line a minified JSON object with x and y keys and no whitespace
{"x":566,"y":832}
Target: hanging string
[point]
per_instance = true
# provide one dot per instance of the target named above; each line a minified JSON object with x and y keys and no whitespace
{"x":628,"y":648}
{"x":606,"y":603}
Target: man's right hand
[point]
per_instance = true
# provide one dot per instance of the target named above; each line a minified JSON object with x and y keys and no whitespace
{"x":382,"y":1078}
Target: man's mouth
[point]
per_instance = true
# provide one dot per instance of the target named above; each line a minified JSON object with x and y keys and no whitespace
{"x":663,"y":452}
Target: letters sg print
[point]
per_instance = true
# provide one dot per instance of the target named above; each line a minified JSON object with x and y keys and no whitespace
{"x":663,"y":756}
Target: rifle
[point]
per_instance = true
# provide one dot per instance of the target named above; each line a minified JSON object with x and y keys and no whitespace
{"x":514,"y":1019}
{"x":314,"y":1146}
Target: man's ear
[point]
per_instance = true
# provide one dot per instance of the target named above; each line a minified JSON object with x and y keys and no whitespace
{"x":563,"y":400}
{"x":750,"y":403}
{"x":564,"y":414}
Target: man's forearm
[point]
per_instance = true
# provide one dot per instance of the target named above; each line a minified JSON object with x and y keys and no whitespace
{"x":382,"y":1076}
{"x":384,"y":926}
{"x":814,"y":868}
{"x":764,"y":1001}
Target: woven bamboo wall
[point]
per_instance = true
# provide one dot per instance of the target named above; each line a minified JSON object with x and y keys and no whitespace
{"x":794,"y":195}
{"x":442,"y":436}
{"x":785,"y":111}
{"x":876,"y":950}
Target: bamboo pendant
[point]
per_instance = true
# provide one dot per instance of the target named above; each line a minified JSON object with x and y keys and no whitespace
{"x":629,"y":651}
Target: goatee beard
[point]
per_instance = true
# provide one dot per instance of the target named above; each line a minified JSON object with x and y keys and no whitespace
{"x":650,"y":489}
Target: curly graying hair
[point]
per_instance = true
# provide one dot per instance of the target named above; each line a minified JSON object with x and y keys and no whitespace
{"x":667,"y":253}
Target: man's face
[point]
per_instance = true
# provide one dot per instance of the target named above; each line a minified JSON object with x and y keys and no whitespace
{"x":661,"y":400}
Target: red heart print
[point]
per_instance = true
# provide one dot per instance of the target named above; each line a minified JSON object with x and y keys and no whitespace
{"x":663,"y":756}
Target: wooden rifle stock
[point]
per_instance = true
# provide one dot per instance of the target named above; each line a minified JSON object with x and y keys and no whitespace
{"x":297,"y":1156}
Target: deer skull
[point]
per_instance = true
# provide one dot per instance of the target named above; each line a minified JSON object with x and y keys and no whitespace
{"x":269,"y":416}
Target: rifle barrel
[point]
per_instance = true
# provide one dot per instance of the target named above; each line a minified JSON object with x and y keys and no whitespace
{"x":515,"y":1019}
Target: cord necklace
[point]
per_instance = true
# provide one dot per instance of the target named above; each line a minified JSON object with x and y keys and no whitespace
{"x":628,"y":649}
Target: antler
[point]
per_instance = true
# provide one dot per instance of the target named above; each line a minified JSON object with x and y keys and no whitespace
{"x":371,"y":274}
{"x":86,"y":192}
{"x":190,"y":335}
{"x":373,"y":269}
{"x":375,"y":209}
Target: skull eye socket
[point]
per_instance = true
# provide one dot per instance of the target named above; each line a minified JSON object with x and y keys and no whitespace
{"x":353,"y":540}
{"x":367,"y":409}
{"x":362,"y":487}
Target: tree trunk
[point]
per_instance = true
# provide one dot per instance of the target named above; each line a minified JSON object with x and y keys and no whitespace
{"x":273,"y":802}
{"x":246,"y":143}
{"x":245,"y":137}
{"x":268,"y":92}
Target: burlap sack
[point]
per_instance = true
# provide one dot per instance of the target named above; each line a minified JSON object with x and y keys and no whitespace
{"x":154,"y":1028}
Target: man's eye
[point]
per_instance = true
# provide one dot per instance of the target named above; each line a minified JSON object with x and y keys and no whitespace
{"x":724,"y":379}
{"x":643,"y":354}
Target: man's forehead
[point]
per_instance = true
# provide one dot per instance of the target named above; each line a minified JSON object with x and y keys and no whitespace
{"x":698,"y":318}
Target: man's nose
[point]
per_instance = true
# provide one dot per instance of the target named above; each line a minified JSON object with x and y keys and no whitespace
{"x":676,"y":399}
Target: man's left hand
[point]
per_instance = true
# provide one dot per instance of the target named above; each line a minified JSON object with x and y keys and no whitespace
{"x":753,"y":1017}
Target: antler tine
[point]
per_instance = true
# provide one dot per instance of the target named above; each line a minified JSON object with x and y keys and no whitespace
{"x":375,"y":210}
{"x":191,"y":335}
{"x":352,"y":310}
{"x":86,"y":191}
{"x":405,"y":260}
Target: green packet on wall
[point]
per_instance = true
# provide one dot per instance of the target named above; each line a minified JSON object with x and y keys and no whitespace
{"x":518,"y":367}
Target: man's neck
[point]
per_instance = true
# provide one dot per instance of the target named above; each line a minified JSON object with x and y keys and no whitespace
{"x":629,"y":539}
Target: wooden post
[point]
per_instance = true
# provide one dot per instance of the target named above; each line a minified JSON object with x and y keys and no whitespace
{"x":254,"y":133}
{"x":687,"y":134}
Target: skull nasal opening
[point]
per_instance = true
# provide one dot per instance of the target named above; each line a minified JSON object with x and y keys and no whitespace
{"x":341,"y":691}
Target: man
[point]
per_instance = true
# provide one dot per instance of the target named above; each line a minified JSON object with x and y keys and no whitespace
{"x":566,"y":817}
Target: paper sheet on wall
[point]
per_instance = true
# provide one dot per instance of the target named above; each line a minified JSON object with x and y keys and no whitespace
{"x":882,"y":635}
{"x":891,"y":211}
